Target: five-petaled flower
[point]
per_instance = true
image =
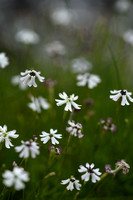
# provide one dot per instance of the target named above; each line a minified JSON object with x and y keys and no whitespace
{"x":28,"y":77}
{"x":123,"y":94}
{"x":69,"y":101}
{"x":4,"y":135}
{"x":15,"y":178}
{"x":91,"y":80}
{"x":3,"y":60}
{"x":27,"y":148}
{"x":71,"y":182}
{"x":89,"y":171}
{"x":75,"y":129}
{"x":45,"y":137}
{"x":38,"y":103}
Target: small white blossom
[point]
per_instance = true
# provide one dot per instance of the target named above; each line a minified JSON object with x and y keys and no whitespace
{"x":28,"y":77}
{"x":71,"y":183}
{"x":123,"y":94}
{"x":91,"y":80}
{"x":15,"y":178}
{"x":3,"y":60}
{"x":55,"y":48}
{"x":27,"y":36}
{"x":89,"y":171}
{"x":5,"y":136}
{"x":80,"y":65}
{"x":38,"y":103}
{"x":75,"y":129}
{"x":128,"y":36}
{"x":50,"y":136}
{"x":16,"y":81}
{"x":69,"y":101}
{"x":27,"y":148}
{"x":61,"y":16}
{"x":122,"y":5}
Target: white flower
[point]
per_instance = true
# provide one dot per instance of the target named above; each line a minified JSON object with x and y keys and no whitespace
{"x":91,"y":80}
{"x":128,"y":36}
{"x":38,"y":103}
{"x":3,"y":60}
{"x":122,"y":6}
{"x":4,"y":135}
{"x":28,"y":77}
{"x":89,"y":171}
{"x":27,"y":148}
{"x":61,"y":16}
{"x":71,"y":182}
{"x":15,"y":178}
{"x":80,"y":65}
{"x":123,"y":94}
{"x":69,"y":101}
{"x":50,"y":136}
{"x":74,"y":129}
{"x":55,"y":48}
{"x":27,"y":36}
{"x":16,"y":81}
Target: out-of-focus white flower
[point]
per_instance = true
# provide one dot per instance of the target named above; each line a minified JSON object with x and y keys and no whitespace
{"x":128,"y":37}
{"x":28,"y":77}
{"x":69,"y":101}
{"x":38,"y":103}
{"x":75,"y":129}
{"x":81,"y":65}
{"x":15,"y":178}
{"x":71,"y":183}
{"x":27,"y":148}
{"x":122,"y":5}
{"x":61,"y":16}
{"x":16,"y":81}
{"x":50,"y":136}
{"x":27,"y":36}
{"x":5,"y":136}
{"x":123,"y":94}
{"x":89,"y":171}
{"x":55,"y":48}
{"x":91,"y":80}
{"x":3,"y":60}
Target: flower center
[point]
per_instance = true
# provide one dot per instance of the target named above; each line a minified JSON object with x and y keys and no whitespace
{"x":51,"y":135}
{"x":32,"y":74}
{"x":72,"y":179}
{"x":90,"y":170}
{"x":123,"y":92}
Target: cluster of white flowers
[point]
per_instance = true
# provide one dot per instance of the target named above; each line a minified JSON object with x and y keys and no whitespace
{"x":45,"y":137}
{"x":27,"y":36}
{"x":15,"y":178}
{"x":75,"y":129}
{"x":28,"y":77}
{"x":3,"y":60}
{"x":89,"y":172}
{"x":69,"y":101}
{"x":38,"y":103}
{"x":6,"y":136}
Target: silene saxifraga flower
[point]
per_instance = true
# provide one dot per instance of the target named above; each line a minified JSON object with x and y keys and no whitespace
{"x":27,"y":148}
{"x":108,"y":125}
{"x":45,"y":137}
{"x":28,"y":77}
{"x":71,"y":183}
{"x":6,"y":136}
{"x":38,"y":103}
{"x":121,"y":94}
{"x":75,"y":129}
{"x":89,"y":171}
{"x":27,"y":36}
{"x":69,"y":101}
{"x":15,"y":178}
{"x":91,"y":80}
{"x":3,"y":60}
{"x":16,"y":81}
{"x":119,"y":165}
